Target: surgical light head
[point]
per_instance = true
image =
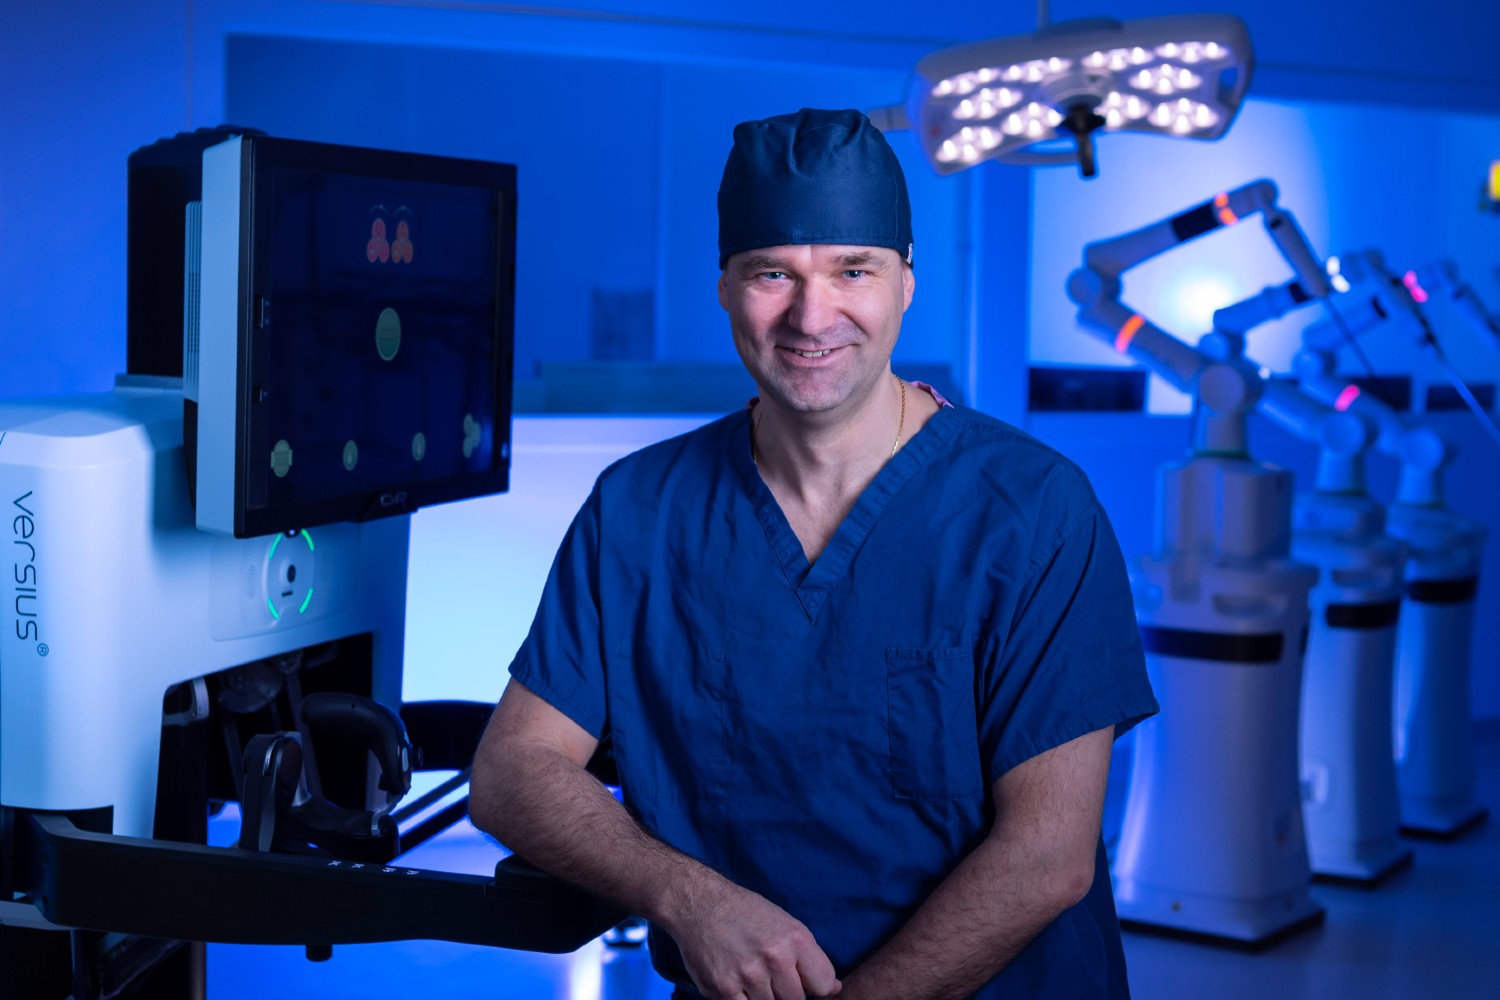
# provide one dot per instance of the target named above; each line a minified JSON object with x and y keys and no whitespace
{"x":1182,"y":76}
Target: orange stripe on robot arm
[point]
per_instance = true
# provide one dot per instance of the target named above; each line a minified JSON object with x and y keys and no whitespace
{"x":1128,"y":331}
{"x":1221,"y":206}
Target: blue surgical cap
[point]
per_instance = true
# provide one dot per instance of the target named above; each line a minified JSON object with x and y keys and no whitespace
{"x":812,"y":177}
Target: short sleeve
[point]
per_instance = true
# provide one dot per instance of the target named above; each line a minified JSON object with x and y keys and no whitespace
{"x":562,"y":659}
{"x":1071,"y":661}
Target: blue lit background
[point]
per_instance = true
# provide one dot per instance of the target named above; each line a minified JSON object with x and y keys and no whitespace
{"x":1378,"y":127}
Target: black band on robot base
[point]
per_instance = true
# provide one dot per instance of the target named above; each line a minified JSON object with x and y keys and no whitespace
{"x":1443,"y":591}
{"x":1225,"y":647}
{"x":1363,"y":616}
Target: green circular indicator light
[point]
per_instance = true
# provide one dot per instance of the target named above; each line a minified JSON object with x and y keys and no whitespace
{"x":351,"y":455}
{"x":419,"y":446}
{"x":285,"y":573}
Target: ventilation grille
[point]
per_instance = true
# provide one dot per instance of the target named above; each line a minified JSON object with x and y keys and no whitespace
{"x":192,"y":293}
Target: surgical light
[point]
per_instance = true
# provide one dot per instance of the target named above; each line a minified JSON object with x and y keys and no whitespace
{"x":1183,"y":76}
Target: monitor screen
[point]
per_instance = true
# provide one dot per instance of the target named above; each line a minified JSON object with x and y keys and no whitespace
{"x":356,"y":332}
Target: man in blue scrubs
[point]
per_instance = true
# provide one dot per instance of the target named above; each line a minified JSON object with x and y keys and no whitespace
{"x":861,"y":654}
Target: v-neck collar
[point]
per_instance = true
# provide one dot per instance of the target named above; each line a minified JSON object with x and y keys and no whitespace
{"x":812,"y":582}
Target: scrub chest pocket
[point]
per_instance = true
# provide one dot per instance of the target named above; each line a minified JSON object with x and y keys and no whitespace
{"x":934,"y":725}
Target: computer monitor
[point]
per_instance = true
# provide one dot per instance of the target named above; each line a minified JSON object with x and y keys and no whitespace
{"x":350,"y":353}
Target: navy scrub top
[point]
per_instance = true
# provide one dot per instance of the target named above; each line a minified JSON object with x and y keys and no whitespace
{"x":827,"y":734}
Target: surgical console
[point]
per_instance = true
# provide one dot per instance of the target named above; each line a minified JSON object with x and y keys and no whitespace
{"x":206,"y":596}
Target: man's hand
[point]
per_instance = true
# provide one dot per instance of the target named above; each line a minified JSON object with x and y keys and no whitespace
{"x":738,"y":945}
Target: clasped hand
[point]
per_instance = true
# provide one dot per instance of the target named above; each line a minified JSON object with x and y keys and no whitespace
{"x":741,"y":946}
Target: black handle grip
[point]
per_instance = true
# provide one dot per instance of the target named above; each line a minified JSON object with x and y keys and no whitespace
{"x":271,"y":768}
{"x":378,"y":728}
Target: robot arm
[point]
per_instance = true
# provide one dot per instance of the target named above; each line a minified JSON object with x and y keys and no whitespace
{"x":1342,"y":437}
{"x":1311,"y":281}
{"x":1225,"y":384}
{"x":1110,"y":258}
{"x":1406,"y":294}
{"x":1328,"y":338}
{"x":1443,"y":279}
{"x":1395,"y":295}
{"x":1136,"y":336}
{"x":1422,"y":452}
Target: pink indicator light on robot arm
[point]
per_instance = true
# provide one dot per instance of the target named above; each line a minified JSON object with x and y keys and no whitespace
{"x":1128,"y":331}
{"x":1225,"y":213}
{"x":1418,"y":293}
{"x":1346,"y":398}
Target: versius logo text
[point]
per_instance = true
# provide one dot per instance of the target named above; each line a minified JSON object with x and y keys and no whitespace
{"x":23,"y":528}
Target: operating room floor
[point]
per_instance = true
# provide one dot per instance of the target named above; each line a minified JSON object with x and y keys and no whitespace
{"x":1430,"y":931}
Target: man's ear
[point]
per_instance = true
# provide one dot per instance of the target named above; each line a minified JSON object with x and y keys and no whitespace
{"x":908,"y":285}
{"x":724,"y":291}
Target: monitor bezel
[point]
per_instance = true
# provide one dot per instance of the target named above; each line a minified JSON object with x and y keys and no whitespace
{"x":256,"y":159}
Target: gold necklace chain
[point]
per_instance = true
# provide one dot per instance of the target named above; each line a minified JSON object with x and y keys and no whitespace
{"x":900,"y":428}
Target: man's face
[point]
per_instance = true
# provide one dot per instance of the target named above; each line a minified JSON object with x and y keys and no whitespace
{"x":815,"y":325}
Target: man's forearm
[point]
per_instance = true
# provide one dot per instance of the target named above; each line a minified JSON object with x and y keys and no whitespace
{"x":557,"y":816}
{"x":1036,"y":861}
{"x":981,"y":916}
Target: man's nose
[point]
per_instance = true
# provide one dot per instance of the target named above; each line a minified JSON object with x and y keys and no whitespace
{"x":813,"y":307}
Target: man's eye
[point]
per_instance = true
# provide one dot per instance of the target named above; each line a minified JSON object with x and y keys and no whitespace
{"x":854,"y":273}
{"x":773,"y":275}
